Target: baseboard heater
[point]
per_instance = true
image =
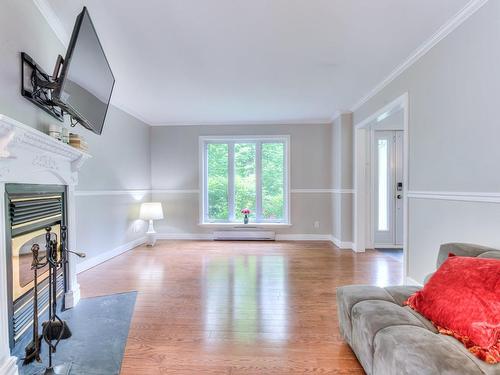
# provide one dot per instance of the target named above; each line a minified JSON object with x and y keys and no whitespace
{"x":244,"y":235}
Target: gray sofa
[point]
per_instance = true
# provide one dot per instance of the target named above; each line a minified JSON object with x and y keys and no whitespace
{"x":390,"y":339}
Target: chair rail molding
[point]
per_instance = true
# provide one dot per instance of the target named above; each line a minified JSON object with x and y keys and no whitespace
{"x":487,"y":197}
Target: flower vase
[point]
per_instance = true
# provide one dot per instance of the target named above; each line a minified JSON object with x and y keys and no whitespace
{"x":245,"y":220}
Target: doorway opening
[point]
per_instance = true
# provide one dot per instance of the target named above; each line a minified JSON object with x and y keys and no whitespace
{"x":381,"y":181}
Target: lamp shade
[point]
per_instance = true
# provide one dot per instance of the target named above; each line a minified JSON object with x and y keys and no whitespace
{"x":151,"y":211}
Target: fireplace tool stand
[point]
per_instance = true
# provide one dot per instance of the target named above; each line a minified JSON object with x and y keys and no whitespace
{"x":56,"y":329}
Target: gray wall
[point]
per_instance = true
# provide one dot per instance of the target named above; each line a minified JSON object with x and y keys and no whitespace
{"x":174,"y":156}
{"x":120,"y":156}
{"x":342,"y":178}
{"x":453,"y":137}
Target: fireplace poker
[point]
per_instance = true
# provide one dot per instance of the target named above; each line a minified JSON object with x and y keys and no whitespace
{"x":34,"y":348}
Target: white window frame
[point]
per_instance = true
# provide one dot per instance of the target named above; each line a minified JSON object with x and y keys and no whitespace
{"x":231,"y":140}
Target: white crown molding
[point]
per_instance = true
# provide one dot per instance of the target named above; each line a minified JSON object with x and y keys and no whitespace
{"x":103,"y":257}
{"x":472,"y":7}
{"x":456,"y":196}
{"x":320,"y":121}
{"x":53,"y":21}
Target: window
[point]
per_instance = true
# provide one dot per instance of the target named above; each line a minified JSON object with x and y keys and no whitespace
{"x":244,"y":172}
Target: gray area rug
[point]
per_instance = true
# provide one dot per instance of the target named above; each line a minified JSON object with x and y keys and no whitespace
{"x":100,"y":328}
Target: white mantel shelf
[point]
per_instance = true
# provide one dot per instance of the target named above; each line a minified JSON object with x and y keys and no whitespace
{"x":29,"y":156}
{"x":14,"y":133}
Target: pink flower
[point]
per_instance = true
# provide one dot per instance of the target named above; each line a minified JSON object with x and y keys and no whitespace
{"x":245,"y":211}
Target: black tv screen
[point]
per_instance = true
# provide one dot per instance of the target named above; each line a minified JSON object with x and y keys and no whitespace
{"x":86,"y":80}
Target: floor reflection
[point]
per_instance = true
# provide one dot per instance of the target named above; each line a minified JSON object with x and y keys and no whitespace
{"x":246,"y":296}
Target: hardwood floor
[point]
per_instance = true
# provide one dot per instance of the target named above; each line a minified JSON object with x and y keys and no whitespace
{"x":237,"y":307}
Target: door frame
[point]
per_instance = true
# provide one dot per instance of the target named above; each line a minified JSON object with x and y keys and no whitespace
{"x":363,"y":177}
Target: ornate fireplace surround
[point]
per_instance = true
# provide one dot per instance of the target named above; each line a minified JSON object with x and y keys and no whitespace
{"x":28,"y":156}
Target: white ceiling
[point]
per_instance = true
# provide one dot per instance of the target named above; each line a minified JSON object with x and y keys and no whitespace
{"x":253,"y":61}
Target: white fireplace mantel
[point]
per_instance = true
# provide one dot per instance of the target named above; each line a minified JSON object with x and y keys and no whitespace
{"x":29,"y":156}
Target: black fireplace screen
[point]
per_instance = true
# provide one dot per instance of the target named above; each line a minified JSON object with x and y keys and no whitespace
{"x":31,"y":209}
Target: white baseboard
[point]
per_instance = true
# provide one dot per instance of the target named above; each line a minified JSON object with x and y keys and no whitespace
{"x":209,"y":236}
{"x":342,"y":244}
{"x":412,"y":282}
{"x":303,"y":237}
{"x":94,"y":261}
{"x":184,"y":236}
{"x":72,"y":297}
{"x":9,"y":366}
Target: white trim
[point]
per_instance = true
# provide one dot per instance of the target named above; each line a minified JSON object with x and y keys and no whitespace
{"x":321,"y":121}
{"x":230,"y":139}
{"x":103,"y":257}
{"x":303,"y":237}
{"x":387,"y":246}
{"x":184,"y":236}
{"x":175,"y":191}
{"x":342,"y":244}
{"x":456,"y":196}
{"x":319,"y":191}
{"x":89,"y":193}
{"x":209,"y":236}
{"x":472,"y":7}
{"x":245,"y":226}
{"x":361,"y":148}
{"x":53,"y":21}
{"x":412,"y":282}
{"x":9,"y":366}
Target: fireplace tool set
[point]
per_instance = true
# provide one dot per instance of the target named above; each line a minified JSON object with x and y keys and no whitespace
{"x":55,"y":329}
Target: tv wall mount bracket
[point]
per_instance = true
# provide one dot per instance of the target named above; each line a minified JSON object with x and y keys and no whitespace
{"x":37,"y":86}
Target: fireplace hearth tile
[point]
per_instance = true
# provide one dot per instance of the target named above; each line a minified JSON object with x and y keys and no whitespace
{"x":100,"y":327}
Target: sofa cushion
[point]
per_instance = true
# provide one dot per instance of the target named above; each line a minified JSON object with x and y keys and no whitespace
{"x":368,"y":318}
{"x":400,"y":293}
{"x":463,"y":299}
{"x":490,"y":254}
{"x":461,"y":249}
{"x":350,"y":295}
{"x":412,"y":350}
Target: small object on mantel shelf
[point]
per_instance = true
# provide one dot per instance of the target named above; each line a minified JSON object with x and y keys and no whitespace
{"x":65,"y":135}
{"x":78,"y":142}
{"x":55,"y":131}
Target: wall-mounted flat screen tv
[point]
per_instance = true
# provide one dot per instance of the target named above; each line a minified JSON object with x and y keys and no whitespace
{"x":86,"y":81}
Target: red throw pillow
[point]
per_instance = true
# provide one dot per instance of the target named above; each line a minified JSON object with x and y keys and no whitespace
{"x":463,"y":300}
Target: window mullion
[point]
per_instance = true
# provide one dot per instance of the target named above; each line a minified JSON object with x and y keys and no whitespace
{"x":231,"y":185}
{"x":258,"y":181}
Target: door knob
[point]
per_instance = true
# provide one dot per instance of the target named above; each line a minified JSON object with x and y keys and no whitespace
{"x":398,"y":196}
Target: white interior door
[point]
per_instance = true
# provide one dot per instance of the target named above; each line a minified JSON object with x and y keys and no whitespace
{"x":388,"y":188}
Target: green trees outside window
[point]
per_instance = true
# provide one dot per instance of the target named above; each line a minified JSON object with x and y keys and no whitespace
{"x":246,"y":174}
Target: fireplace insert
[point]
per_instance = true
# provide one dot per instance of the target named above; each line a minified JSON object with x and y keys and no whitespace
{"x":30,"y":210}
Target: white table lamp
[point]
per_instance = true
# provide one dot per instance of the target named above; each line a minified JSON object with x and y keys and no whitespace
{"x":151,"y":211}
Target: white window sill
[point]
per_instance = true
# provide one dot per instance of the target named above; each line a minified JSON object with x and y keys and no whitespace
{"x":245,"y":226}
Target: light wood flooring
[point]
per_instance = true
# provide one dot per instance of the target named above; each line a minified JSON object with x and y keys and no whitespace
{"x":234,"y":308}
